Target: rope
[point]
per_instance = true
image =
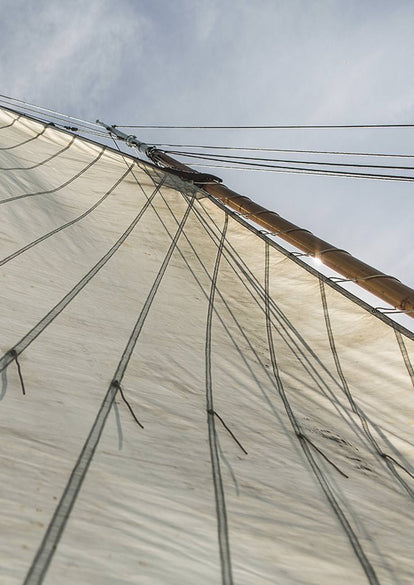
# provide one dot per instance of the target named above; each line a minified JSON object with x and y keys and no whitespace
{"x":222,"y":524}
{"x":284,"y":325}
{"x":283,"y":160}
{"x":116,"y":383}
{"x":335,"y":173}
{"x":305,"y":438}
{"x":228,"y":430}
{"x":355,"y":408}
{"x":223,"y":300}
{"x":13,"y":353}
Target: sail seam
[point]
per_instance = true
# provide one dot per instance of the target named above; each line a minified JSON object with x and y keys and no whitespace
{"x":68,"y":224}
{"x":11,"y":123}
{"x":25,"y":141}
{"x":46,"y":160}
{"x":65,"y":184}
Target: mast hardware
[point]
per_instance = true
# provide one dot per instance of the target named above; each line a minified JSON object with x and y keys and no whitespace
{"x":158,"y":157}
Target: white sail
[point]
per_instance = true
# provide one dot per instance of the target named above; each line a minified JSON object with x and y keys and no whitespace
{"x":182,"y":401}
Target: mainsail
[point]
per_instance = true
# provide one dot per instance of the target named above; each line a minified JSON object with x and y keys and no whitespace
{"x":182,"y":400}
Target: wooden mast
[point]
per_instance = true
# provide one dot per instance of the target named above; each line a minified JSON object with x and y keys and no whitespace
{"x":386,"y":287}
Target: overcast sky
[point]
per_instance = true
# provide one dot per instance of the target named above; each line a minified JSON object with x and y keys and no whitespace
{"x":237,"y":62}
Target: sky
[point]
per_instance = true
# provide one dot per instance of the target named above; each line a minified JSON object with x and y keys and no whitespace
{"x":238,"y":62}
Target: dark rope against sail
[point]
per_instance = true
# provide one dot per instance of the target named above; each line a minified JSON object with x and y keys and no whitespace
{"x":55,"y":529}
{"x":222,"y":525}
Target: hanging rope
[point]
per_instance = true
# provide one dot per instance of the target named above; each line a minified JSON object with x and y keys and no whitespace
{"x":228,"y":430}
{"x":118,"y":385}
{"x":13,"y":354}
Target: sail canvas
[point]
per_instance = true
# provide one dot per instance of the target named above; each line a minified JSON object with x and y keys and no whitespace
{"x":182,"y":400}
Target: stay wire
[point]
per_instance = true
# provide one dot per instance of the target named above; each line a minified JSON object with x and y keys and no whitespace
{"x":291,"y":150}
{"x":267,"y":127}
{"x":276,"y":160}
{"x":64,"y":116}
{"x":280,"y":168}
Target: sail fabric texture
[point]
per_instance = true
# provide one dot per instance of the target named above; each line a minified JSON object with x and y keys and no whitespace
{"x":182,"y":401}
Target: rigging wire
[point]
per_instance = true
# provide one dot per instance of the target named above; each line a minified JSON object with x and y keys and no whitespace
{"x":304,"y":172}
{"x":282,"y":168}
{"x":292,"y":150}
{"x":65,"y":116}
{"x":276,"y":160}
{"x":266,"y":127}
